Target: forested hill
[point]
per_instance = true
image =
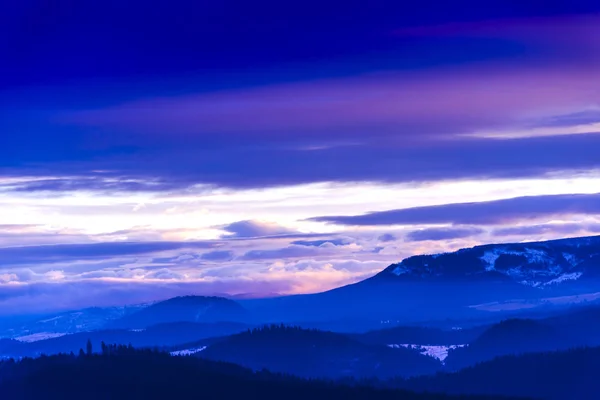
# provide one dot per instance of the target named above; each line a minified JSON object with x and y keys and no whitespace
{"x":125,"y":373}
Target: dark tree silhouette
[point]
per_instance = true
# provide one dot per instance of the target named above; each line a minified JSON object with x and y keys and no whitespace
{"x":89,"y":348}
{"x":125,"y":373}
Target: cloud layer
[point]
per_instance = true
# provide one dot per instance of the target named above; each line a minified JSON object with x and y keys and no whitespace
{"x":483,"y":213}
{"x":219,"y":150}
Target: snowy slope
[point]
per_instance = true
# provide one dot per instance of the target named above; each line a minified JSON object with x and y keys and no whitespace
{"x":536,"y":264}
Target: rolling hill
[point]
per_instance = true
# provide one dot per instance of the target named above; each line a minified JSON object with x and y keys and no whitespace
{"x":317,"y":354}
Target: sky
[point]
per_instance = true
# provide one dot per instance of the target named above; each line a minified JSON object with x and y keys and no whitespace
{"x":255,"y":149}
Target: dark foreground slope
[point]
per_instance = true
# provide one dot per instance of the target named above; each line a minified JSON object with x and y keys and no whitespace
{"x":566,"y":375}
{"x":130,"y":374}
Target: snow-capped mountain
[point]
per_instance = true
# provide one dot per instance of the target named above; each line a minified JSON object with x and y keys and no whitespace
{"x":463,"y":284}
{"x":536,"y":264}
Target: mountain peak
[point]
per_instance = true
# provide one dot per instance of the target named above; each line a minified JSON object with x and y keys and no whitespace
{"x":535,"y":264}
{"x":185,"y":308}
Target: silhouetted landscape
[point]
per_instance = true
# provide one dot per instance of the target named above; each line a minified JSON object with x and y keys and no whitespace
{"x":234,"y":199}
{"x":547,"y":352}
{"x":122,"y":372}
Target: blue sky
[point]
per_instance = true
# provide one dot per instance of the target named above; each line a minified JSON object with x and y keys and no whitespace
{"x":252,"y":149}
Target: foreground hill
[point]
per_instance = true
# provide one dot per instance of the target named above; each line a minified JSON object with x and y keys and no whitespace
{"x":311,"y":353}
{"x":184,"y":309}
{"x":124,"y":373}
{"x":566,"y":375}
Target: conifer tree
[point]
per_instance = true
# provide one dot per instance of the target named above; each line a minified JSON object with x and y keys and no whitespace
{"x":89,"y":347}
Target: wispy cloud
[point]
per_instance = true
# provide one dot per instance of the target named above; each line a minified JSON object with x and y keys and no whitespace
{"x":567,"y":228}
{"x":443,"y":233}
{"x":484,"y":213}
{"x":253,"y":229}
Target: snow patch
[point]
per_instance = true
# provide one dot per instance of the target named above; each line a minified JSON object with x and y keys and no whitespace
{"x":188,"y":352}
{"x":531,"y":283}
{"x":571,"y":259}
{"x":536,"y":256}
{"x":51,"y":319}
{"x":400,"y":269}
{"x":34,"y":337}
{"x":490,"y":257}
{"x":437,"y":352}
{"x":565,"y":277}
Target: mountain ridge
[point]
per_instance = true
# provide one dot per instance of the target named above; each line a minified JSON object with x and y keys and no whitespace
{"x":537,"y":263}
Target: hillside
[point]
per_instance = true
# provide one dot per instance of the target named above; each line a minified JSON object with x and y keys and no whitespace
{"x":311,"y":353}
{"x":463,"y":284}
{"x":184,"y":309}
{"x":543,"y":265}
{"x":514,"y":336}
{"x":565,"y":375}
{"x":419,"y":335}
{"x":125,"y":373}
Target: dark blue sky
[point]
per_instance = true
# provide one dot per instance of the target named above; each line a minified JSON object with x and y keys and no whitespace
{"x":55,"y":42}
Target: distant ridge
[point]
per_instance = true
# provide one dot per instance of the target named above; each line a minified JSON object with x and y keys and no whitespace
{"x":184,"y":309}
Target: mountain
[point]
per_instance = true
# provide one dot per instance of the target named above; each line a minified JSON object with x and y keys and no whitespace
{"x":184,"y":309}
{"x":513,"y":336}
{"x":465,"y":284}
{"x":317,"y":354}
{"x":564,"y":375}
{"x":162,"y":336}
{"x":65,"y":322}
{"x":543,"y":265}
{"x":126,"y":373}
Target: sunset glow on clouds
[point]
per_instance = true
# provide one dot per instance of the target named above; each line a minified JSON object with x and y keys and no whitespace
{"x":291,"y":174}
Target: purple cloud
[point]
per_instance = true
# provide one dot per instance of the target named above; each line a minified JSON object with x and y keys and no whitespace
{"x":286,"y":252}
{"x":387,"y":237}
{"x":562,"y":229}
{"x":483,"y":213}
{"x":442,"y":233}
{"x":62,"y":252}
{"x":402,"y":125}
{"x":272,"y":166}
{"x":218,"y":255}
{"x":254,"y":229}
